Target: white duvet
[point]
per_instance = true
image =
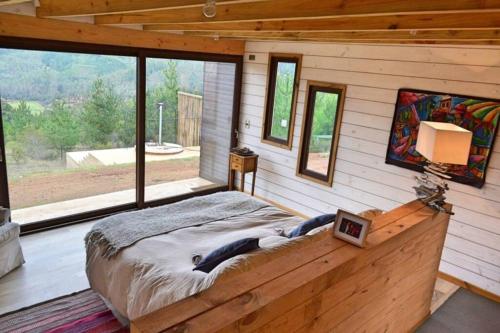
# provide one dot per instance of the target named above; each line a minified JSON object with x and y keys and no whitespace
{"x":158,"y":271}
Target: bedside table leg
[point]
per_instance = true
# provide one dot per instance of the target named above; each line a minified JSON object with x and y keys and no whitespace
{"x":231,"y":180}
{"x":253,"y":182}
{"x":242,"y":182}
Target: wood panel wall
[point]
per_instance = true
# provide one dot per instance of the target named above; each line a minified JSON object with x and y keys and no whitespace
{"x":362,"y":180}
{"x":323,"y":284}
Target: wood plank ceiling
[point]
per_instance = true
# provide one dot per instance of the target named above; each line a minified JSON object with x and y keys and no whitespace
{"x":371,"y":21}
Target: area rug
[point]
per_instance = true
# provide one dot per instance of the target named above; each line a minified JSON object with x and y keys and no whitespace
{"x":81,"y":312}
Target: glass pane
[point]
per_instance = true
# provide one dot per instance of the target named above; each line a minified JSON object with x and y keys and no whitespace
{"x":283,"y":95}
{"x":322,"y":131}
{"x":185,"y":102}
{"x":69,"y":126}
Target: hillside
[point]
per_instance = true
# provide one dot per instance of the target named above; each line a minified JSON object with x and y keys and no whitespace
{"x":42,"y":77}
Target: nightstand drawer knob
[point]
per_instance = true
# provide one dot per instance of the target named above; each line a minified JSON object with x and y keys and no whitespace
{"x":237,"y":159}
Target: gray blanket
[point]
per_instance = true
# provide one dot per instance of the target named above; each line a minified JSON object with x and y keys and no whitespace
{"x":117,"y":232}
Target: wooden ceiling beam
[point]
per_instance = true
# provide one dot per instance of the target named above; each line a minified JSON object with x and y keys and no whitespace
{"x":364,"y":41}
{"x":370,"y":41}
{"x":58,"y":8}
{"x":12,"y":2}
{"x":12,"y":25}
{"x":386,"y":22}
{"x":290,"y":9}
{"x":477,"y":34}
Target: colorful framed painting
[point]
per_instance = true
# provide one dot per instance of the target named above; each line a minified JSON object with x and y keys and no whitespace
{"x":476,"y":114}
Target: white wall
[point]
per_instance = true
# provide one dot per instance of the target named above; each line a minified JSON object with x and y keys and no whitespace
{"x":362,"y":180}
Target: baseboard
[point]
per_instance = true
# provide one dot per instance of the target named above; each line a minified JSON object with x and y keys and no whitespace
{"x":280,"y":206}
{"x":443,"y":290}
{"x":468,"y":286}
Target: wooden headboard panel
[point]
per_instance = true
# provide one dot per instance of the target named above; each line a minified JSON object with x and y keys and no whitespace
{"x":326,"y":285}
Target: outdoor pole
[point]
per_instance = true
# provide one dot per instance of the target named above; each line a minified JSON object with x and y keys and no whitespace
{"x":161,"y":123}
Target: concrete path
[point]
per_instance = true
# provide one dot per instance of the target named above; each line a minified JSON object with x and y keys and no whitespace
{"x":64,"y":208}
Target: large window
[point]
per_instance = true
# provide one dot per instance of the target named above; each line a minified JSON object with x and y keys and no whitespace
{"x":90,"y":130}
{"x":282,"y":90}
{"x":69,"y":125}
{"x":320,"y":131}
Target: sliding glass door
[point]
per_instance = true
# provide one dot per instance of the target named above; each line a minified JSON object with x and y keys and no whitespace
{"x":91,"y":130}
{"x":189,"y":110}
{"x":69,"y":125}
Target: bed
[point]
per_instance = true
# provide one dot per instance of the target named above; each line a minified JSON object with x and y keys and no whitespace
{"x":315,"y":283}
{"x":323,"y":284}
{"x":157,"y":271}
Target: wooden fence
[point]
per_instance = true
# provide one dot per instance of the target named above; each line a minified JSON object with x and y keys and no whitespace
{"x":189,"y":119}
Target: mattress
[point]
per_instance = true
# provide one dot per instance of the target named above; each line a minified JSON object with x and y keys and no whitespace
{"x":158,"y":271}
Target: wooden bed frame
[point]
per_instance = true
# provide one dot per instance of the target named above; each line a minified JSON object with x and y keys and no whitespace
{"x":329,"y":285}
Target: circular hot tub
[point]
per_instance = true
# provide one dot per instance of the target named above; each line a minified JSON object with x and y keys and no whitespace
{"x":164,"y":149}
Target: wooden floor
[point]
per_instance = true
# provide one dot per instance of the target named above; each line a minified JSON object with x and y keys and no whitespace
{"x":55,"y":266}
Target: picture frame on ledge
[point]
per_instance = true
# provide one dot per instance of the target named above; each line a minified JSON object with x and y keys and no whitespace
{"x":479,"y":115}
{"x":351,"y":228}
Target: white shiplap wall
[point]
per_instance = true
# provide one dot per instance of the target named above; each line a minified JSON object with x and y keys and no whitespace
{"x":362,"y":180}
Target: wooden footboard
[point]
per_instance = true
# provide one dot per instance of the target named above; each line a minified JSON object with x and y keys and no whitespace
{"x":329,"y":285}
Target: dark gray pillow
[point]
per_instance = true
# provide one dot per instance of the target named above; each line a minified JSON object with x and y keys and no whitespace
{"x":226,"y":252}
{"x":311,"y":224}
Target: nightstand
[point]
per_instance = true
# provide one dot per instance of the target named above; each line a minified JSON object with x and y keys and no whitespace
{"x":242,"y":164}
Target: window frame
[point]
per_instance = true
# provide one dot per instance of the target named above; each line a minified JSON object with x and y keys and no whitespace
{"x":140,"y":54}
{"x":312,"y":88}
{"x":272,"y":73}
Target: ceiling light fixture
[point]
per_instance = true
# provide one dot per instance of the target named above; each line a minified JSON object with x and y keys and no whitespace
{"x":209,"y":9}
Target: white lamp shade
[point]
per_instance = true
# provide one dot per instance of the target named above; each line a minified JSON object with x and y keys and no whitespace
{"x":444,"y":143}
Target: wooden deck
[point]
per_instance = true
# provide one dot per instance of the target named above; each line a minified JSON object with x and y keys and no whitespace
{"x":75,"y":206}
